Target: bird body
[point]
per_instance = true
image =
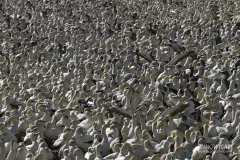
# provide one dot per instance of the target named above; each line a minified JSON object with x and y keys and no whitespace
{"x":124,"y":80}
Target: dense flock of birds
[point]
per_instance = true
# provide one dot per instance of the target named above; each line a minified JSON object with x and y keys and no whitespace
{"x":119,"y":80}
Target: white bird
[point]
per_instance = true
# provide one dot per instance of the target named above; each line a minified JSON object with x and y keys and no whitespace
{"x":228,"y":116}
{"x":82,"y":140}
{"x":21,"y":152}
{"x":60,"y":141}
{"x":78,"y":154}
{"x":124,"y":151}
{"x":104,"y":145}
{"x":52,"y":132}
{"x":141,"y":151}
{"x":116,"y":150}
{"x":66,"y":155}
{"x":136,"y":139}
{"x":87,"y":123}
{"x":34,"y":146}
{"x":200,"y":151}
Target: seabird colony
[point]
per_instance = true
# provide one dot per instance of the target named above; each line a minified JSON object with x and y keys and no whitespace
{"x":119,"y":80}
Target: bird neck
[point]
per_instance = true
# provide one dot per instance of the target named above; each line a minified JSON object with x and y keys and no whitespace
{"x":136,"y":135}
{"x":236,"y":120}
{"x":128,"y":99}
{"x":159,"y":92}
{"x":205,"y":130}
{"x":143,"y":123}
{"x":153,"y":79}
{"x":26,"y":78}
{"x":154,"y":129}
{"x":104,"y":135}
{"x":21,"y":81}
{"x":12,"y":147}
{"x":231,"y":87}
{"x":67,"y":143}
{"x":177,"y":142}
{"x":98,"y":154}
{"x":238,"y":130}
{"x":100,"y":120}
{"x":1,"y":102}
{"x":188,"y":137}
{"x":208,"y":85}
{"x":222,"y":82}
{"x":8,"y":106}
{"x":113,"y":69}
